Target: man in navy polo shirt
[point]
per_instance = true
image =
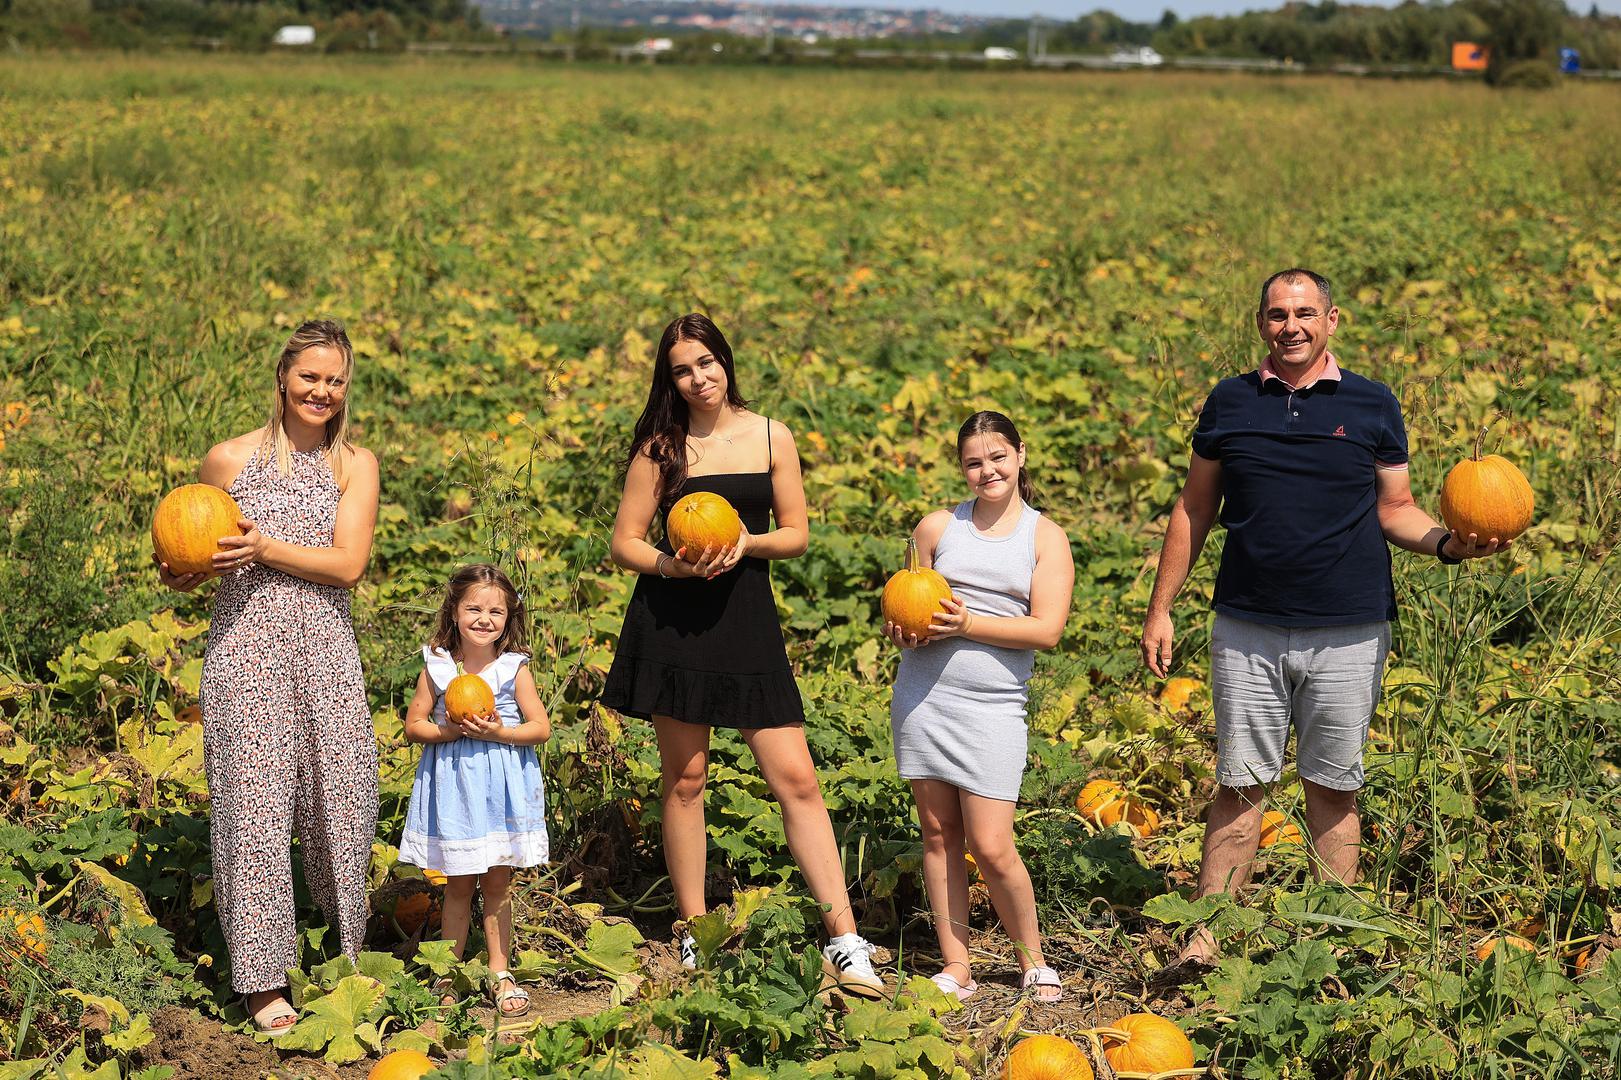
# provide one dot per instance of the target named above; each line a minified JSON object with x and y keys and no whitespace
{"x":1307,"y":464}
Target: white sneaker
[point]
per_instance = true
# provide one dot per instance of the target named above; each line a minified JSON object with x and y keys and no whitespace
{"x":689,"y":952}
{"x":847,"y":966}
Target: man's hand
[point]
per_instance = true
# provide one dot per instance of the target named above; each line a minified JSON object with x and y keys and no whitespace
{"x":1158,"y":637}
{"x":1473,"y":547}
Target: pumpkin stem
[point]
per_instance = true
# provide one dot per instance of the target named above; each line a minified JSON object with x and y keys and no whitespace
{"x":1117,"y":1034}
{"x":1480,"y":439}
{"x":911,"y":554}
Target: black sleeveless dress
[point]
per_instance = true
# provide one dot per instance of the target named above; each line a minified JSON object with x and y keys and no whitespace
{"x":708,"y":652}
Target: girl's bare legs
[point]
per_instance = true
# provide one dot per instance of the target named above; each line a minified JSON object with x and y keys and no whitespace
{"x":457,"y":917}
{"x":945,"y":872}
{"x":684,"y":766}
{"x":786,"y":764}
{"x":988,"y":824}
{"x":496,"y":887}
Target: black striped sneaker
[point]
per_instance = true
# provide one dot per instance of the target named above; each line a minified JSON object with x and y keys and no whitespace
{"x":847,"y":967}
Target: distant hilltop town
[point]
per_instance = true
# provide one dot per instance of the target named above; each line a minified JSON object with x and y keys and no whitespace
{"x":804,"y":21}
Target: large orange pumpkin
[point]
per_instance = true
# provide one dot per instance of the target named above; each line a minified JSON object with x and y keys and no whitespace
{"x":1047,"y":1057}
{"x":702,"y":520}
{"x":912,"y":596}
{"x":189,"y":524}
{"x":1276,"y":828}
{"x":468,"y":695}
{"x":1487,"y":496}
{"x":1095,"y":796}
{"x":417,"y":909}
{"x":1174,"y":694}
{"x":1145,"y":1043}
{"x":1134,"y":812}
{"x":402,"y":1065}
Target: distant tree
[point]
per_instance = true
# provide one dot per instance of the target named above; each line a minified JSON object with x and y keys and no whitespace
{"x":1169,"y":19}
{"x":1517,"y":31}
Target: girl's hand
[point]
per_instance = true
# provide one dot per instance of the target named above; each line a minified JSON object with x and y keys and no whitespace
{"x":177,"y":582}
{"x":487,"y":727}
{"x":904,"y":640}
{"x":239,"y":551}
{"x":955,"y":621}
{"x":450,"y":730}
{"x":730,"y":557}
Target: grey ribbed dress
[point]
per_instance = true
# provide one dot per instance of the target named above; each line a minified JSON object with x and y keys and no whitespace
{"x":958,"y":713}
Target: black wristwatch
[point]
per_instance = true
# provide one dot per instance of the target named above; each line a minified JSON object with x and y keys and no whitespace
{"x":1440,"y":550}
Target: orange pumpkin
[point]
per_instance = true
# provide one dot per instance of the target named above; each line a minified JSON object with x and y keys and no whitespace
{"x":189,"y":524}
{"x":31,"y":936}
{"x":191,"y":714}
{"x":1047,"y":1057}
{"x":1134,"y":812}
{"x":417,"y":909}
{"x":1276,"y":828}
{"x":468,"y":695}
{"x":1095,"y":796}
{"x":1487,"y":496}
{"x":1175,"y":693}
{"x":1484,"y":950}
{"x":702,"y":520}
{"x":402,"y":1065}
{"x":1145,"y":1043}
{"x":912,"y":596}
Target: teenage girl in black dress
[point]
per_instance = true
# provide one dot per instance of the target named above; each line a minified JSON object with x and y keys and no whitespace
{"x":701,"y":646}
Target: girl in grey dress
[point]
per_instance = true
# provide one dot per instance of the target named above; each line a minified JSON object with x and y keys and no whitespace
{"x":958,"y":712}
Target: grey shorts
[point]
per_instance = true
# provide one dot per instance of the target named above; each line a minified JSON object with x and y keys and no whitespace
{"x":1322,"y":680}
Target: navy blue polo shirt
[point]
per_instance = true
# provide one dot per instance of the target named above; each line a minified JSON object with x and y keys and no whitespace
{"x":1298,"y":496}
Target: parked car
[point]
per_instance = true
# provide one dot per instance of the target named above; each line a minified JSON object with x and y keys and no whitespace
{"x":999,"y":52}
{"x":1142,"y":56}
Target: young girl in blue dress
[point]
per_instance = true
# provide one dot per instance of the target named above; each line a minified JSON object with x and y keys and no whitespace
{"x":478,"y":806}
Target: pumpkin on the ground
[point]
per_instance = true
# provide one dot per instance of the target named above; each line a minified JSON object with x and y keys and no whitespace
{"x":1490,"y":944}
{"x":189,"y":524}
{"x":702,"y":520}
{"x":912,"y":596}
{"x":402,"y":1065}
{"x":468,"y":695}
{"x":32,"y":940}
{"x":415,"y":910}
{"x":1175,"y":693}
{"x":1145,"y":1043}
{"x":1276,"y":828}
{"x":1095,"y":796}
{"x":1488,"y":496}
{"x":1047,"y":1057}
{"x":1134,"y":812}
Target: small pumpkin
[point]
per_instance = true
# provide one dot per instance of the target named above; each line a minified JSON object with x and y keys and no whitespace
{"x":1488,"y":496}
{"x":1145,"y":1043}
{"x":702,"y":520}
{"x":1490,"y":944}
{"x":402,"y":1065}
{"x":1276,"y":828}
{"x":912,"y":596}
{"x":1095,"y":796}
{"x":1174,"y":694}
{"x":415,"y":910}
{"x":32,"y":939}
{"x":188,"y":525}
{"x":1047,"y":1057}
{"x":1134,"y":812}
{"x":191,"y":714}
{"x":468,"y":695}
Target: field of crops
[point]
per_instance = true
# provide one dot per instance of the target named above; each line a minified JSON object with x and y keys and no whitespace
{"x":887,"y":253}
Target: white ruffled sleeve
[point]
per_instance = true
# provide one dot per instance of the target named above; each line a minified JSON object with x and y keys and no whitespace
{"x":440,"y":667}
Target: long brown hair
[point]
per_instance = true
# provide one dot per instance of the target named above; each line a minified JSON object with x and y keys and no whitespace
{"x":662,"y":428}
{"x":446,"y":636}
{"x":987,"y":422}
{"x":328,"y":332}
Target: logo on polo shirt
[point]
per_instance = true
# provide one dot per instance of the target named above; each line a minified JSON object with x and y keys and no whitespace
{"x":1340,"y":430}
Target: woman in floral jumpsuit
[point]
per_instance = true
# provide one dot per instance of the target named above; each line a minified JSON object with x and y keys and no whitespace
{"x":287,"y":733}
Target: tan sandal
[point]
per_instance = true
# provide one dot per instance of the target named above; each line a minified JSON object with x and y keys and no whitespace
{"x":517,"y":993}
{"x":1038,"y":979}
{"x":274,"y":1018}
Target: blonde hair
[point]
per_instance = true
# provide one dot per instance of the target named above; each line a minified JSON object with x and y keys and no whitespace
{"x":328,"y":332}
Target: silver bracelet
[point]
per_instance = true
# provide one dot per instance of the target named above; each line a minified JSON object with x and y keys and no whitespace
{"x":659,"y":565}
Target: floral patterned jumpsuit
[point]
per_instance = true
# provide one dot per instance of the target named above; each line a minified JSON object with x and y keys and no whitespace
{"x":287,"y":735}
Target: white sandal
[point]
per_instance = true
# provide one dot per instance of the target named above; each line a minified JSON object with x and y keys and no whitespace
{"x":1038,"y":978}
{"x":517,"y":993}
{"x":951,"y":987}
{"x":280,"y":1009}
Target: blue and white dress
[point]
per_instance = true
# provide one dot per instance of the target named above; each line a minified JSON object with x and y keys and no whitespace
{"x":476,"y":804}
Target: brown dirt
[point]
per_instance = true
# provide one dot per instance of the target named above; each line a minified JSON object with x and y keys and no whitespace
{"x":198,"y":1048}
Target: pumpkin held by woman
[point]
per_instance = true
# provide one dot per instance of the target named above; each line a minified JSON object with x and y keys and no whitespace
{"x":189,"y":524}
{"x":702,"y":520}
{"x":912,"y":596}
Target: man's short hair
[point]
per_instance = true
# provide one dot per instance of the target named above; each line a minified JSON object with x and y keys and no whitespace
{"x":1296,"y":273}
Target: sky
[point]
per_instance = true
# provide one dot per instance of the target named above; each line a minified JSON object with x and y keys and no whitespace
{"x":1135,"y":10}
